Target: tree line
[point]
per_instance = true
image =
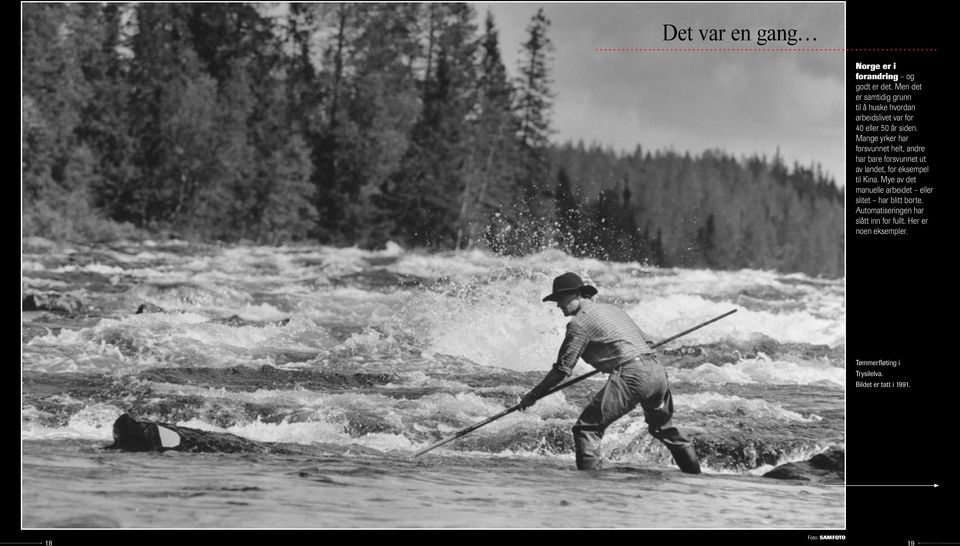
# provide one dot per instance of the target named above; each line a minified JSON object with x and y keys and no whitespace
{"x":711,"y":210}
{"x":361,"y":123}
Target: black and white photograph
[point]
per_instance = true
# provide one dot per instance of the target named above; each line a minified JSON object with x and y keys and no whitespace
{"x":433,"y":266}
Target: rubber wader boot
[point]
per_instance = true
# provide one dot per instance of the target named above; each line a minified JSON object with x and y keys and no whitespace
{"x":589,"y":464}
{"x":686,"y":458}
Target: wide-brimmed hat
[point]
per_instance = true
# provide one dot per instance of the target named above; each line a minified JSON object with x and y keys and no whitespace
{"x":569,"y":282}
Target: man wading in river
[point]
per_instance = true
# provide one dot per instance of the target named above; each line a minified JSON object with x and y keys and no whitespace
{"x":607,"y":339}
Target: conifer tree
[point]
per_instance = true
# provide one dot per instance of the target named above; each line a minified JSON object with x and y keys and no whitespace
{"x":374,"y":105}
{"x":61,"y":170}
{"x":54,"y":94}
{"x":105,"y":117}
{"x":534,"y":100}
{"x":427,"y":194}
{"x":491,"y":163}
{"x":173,"y":119}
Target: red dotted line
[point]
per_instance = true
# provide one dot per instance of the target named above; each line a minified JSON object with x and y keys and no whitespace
{"x":836,"y":49}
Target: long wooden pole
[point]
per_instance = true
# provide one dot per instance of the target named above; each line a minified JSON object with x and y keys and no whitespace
{"x":559,"y":387}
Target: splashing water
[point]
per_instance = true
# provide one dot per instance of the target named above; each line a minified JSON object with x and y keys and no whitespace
{"x":384,"y":352}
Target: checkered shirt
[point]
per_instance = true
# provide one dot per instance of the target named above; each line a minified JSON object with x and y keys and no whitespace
{"x":603,"y":335}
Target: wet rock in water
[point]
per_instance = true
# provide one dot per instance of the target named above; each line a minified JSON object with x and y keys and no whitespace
{"x":236,"y":321}
{"x":379,"y":279}
{"x":361,"y":425}
{"x":729,"y":352}
{"x":381,"y":260}
{"x":683,"y":351}
{"x":769,"y":293}
{"x":149,"y":308}
{"x":342,"y":332}
{"x":132,"y":435}
{"x":741,"y":452}
{"x":53,"y":301}
{"x":826,"y":467}
{"x":544,"y":441}
{"x":30,"y":330}
{"x":233,"y":320}
{"x":38,"y":245}
{"x":246,"y":378}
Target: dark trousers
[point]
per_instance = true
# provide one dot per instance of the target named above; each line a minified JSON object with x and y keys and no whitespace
{"x":642,"y":382}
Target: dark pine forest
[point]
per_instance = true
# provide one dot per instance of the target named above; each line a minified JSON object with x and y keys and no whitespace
{"x":357,"y":124}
